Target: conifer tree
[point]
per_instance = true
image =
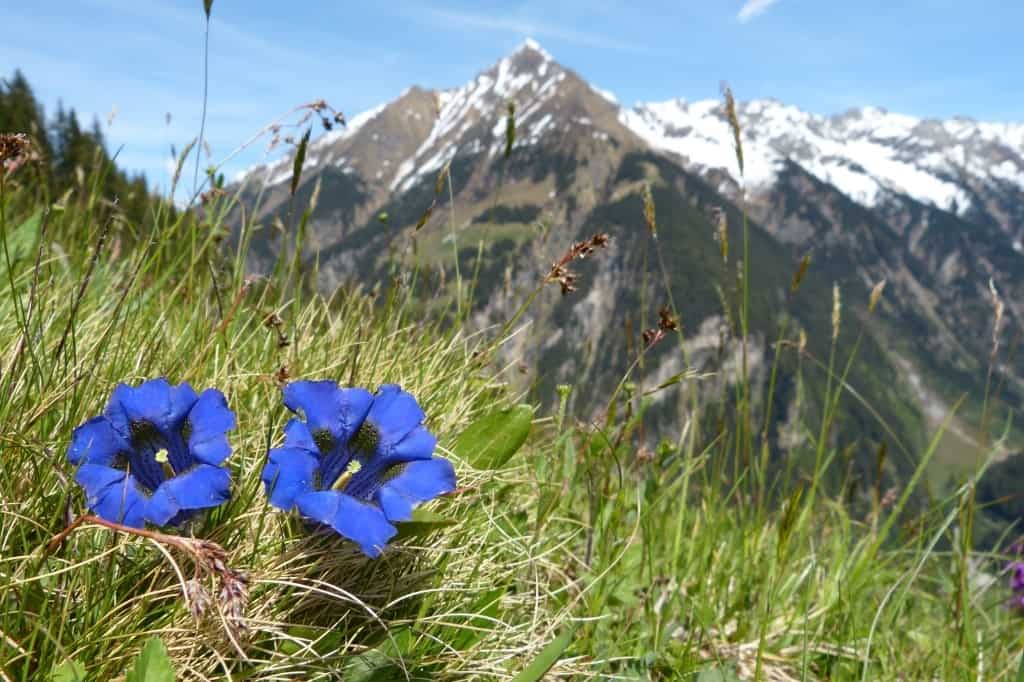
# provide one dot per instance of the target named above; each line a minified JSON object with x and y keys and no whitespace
{"x":64,"y":145}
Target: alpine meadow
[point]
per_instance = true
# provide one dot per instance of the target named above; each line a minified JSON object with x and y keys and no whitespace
{"x":510,"y":381}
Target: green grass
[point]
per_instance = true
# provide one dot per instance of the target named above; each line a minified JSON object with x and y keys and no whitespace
{"x":587,"y":555}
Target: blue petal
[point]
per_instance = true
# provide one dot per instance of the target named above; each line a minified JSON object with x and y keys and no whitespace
{"x":96,"y":442}
{"x":296,"y":435}
{"x":182,"y":399}
{"x":418,"y":444}
{"x":202,"y":487}
{"x":418,"y":482}
{"x":154,"y":401}
{"x":210,"y":420}
{"x":358,"y":521}
{"x":112,"y":495}
{"x":319,"y":505}
{"x":289,"y":473}
{"x":326,"y":406}
{"x":395,"y":413}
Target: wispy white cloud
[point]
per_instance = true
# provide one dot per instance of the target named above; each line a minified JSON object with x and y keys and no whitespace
{"x":754,"y":8}
{"x":164,"y":15}
{"x":462,"y":20}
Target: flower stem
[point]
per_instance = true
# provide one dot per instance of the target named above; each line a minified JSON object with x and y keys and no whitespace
{"x":184,"y":544}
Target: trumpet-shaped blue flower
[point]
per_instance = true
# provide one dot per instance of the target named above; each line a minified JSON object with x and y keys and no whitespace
{"x":357,"y":463}
{"x":155,"y":454}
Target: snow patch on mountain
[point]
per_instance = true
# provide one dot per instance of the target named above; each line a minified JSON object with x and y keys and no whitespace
{"x":607,"y":94}
{"x":866,"y":153}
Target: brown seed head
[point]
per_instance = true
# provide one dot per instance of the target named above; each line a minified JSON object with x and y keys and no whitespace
{"x":888,"y":498}
{"x":666,"y":320}
{"x":562,"y":274}
{"x":211,"y":194}
{"x":15,"y":149}
{"x":198,"y":598}
{"x":567,"y":282}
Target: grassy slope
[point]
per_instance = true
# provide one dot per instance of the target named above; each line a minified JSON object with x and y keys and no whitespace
{"x":658,"y":564}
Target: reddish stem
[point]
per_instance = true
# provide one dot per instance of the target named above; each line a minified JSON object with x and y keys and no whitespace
{"x":172,"y":540}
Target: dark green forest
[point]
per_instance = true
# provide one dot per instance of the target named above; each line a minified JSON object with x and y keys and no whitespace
{"x":67,"y":152}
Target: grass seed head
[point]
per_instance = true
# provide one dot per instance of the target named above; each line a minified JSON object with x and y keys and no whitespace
{"x":876,"y":295}
{"x":999,"y":309}
{"x":734,"y":123}
{"x":800,"y":273}
{"x":650,"y":216}
{"x":837,"y":306}
{"x":721,"y":222}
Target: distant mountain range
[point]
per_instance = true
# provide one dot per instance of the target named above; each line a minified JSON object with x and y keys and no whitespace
{"x":934,"y":207}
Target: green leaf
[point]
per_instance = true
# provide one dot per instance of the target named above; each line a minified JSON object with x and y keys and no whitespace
{"x":207,"y":6}
{"x":322,"y":640}
{"x":300,"y":158}
{"x":68,"y":671}
{"x":423,"y":522}
{"x":152,"y":665}
{"x":21,"y":240}
{"x":675,"y":379}
{"x":380,"y":664}
{"x":546,"y":659}
{"x":490,"y":441}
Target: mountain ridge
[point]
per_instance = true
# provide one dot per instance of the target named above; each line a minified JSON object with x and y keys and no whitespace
{"x":710,"y":146}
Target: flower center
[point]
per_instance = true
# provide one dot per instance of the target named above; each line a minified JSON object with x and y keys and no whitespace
{"x":165,"y":463}
{"x":366,"y":439}
{"x":353,"y":468}
{"x":144,"y":434}
{"x":324,"y":441}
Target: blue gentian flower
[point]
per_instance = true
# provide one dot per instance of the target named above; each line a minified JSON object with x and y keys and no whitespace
{"x":358,"y":463}
{"x":155,"y":454}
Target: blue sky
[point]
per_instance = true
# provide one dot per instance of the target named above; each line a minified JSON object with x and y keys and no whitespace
{"x":143,"y":58}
